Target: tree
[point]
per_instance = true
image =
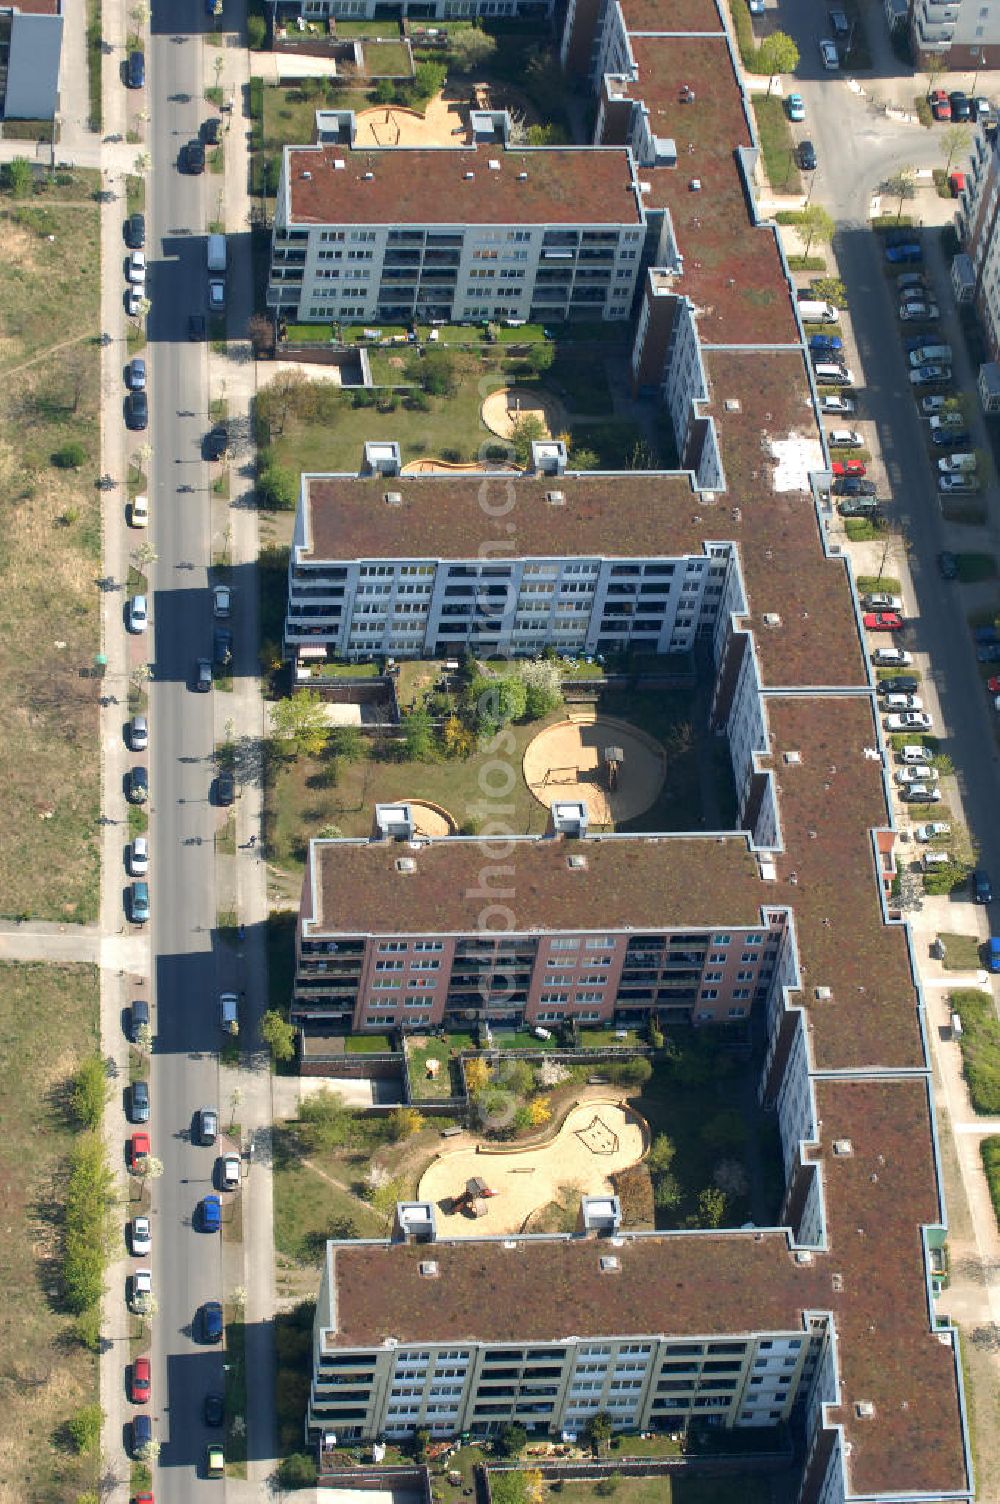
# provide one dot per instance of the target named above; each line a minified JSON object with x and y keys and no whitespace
{"x":416,"y":729}
{"x":383,"y":1198}
{"x":935,"y":66}
{"x":598,"y":1431}
{"x":326,"y":1122}
{"x":471,"y":47}
{"x":543,"y":688}
{"x":539,"y":1111}
{"x":726,"y":1131}
{"x":278,"y":1034}
{"x":634,"y":1072}
{"x":956,"y":140}
{"x":428,"y":80}
{"x":457,"y":740}
{"x":19,"y":177}
{"x":256,"y":32}
{"x":69,"y":457}
{"x":477,"y":1075}
{"x":513,"y":698}
{"x":301,"y":721}
{"x":260,"y":331}
{"x":297,"y":1471}
{"x":404,"y":1122}
{"x":777,"y":53}
{"x":85,"y":1428}
{"x":518,"y":1077}
{"x":384,"y":91}
{"x":666,"y":1190}
{"x":661,"y":1154}
{"x":90,"y":1091}
{"x":540,"y":357}
{"x":584,"y":459}
{"x":346,"y":742}
{"x":511,"y":1439}
{"x":277,"y":489}
{"x":711,"y":1207}
{"x":901,"y":186}
{"x":435,"y":372}
{"x":816,"y":224}
{"x":526,"y":430}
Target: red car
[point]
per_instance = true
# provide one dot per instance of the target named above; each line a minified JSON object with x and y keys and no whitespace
{"x":940,"y":105}
{"x":993,"y":685}
{"x":142,"y":1499}
{"x":882,"y":621}
{"x":849,"y":467}
{"x":138,"y":1150}
{"x":140,"y":1381}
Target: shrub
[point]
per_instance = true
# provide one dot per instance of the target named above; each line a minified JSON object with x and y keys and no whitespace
{"x":980,"y":1045}
{"x":605,"y":1487}
{"x":297,"y":1471}
{"x":87,"y":1233}
{"x":278,"y":1034}
{"x":256,"y":32}
{"x":90,"y":1092}
{"x":85,"y":1428}
{"x":989,"y":1150}
{"x":277,"y":489}
{"x":629,"y":1072}
{"x":70,"y":457}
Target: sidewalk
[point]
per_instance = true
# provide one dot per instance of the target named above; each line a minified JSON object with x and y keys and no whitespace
{"x":242,"y":712}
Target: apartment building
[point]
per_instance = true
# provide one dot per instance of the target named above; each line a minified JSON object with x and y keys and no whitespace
{"x":401,"y":565}
{"x":964,"y":34}
{"x":30,"y":51}
{"x":365,"y":1387}
{"x":398,"y":931}
{"x":977,"y":223}
{"x":455,"y":234}
{"x":422,"y":11}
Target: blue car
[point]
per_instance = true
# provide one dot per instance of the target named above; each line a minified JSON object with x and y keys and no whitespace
{"x":950,"y":438}
{"x":211,"y":1321}
{"x":825,"y":344}
{"x":907,"y":250}
{"x":142,"y":1433}
{"x":211,"y":1214}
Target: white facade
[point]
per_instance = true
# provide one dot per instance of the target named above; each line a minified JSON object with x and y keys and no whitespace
{"x":426,"y":10}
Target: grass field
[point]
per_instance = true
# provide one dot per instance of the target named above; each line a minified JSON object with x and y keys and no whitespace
{"x":49,"y":553}
{"x":776,"y":144}
{"x":48,"y":1023}
{"x":682,"y":1489}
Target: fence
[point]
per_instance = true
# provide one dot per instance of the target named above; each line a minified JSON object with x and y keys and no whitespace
{"x":413,"y":1479}
{"x":640,"y":1467}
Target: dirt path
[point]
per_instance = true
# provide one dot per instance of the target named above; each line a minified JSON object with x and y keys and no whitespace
{"x":44,"y":354}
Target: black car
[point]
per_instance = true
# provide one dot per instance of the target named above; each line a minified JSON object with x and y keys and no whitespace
{"x":138,"y":1018}
{"x":136,"y":410}
{"x":988,"y":652}
{"x":853,"y":485}
{"x":982,"y":888}
{"x":216,"y":442}
{"x":961,"y":109}
{"x":211,"y":1321}
{"x":139,"y":1102}
{"x":211,"y":131}
{"x":899,"y":684}
{"x":225,"y":789}
{"x":222,"y":646}
{"x":135,"y":232}
{"x":194,"y":157}
{"x":203,"y":676}
{"x":214,"y":1410}
{"x":980,"y":108}
{"x":196,"y":326}
{"x":948,"y":566}
{"x":137,"y":785}
{"x":807,"y":156}
{"x":135,"y":72}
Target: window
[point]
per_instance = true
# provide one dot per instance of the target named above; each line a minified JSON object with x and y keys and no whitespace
{"x":708,"y":995}
{"x":565,"y":942}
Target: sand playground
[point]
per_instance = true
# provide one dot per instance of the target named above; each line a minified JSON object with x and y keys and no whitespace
{"x":569,"y":761}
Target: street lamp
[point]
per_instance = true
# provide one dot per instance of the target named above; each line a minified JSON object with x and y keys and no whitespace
{"x":978,"y":55}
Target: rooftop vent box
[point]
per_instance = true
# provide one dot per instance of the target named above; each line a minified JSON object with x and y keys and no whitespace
{"x":576,"y":862}
{"x":823,"y":994}
{"x":522,"y":177}
{"x":494,"y":165}
{"x":793,"y":758}
{"x":772,"y":619}
{"x":843,"y":1147}
{"x":556,"y":498}
{"x":733,"y":405}
{"x":864,"y":1410}
{"x":510,"y":1244}
{"x":695,"y":185}
{"x":429,"y":1268}
{"x":768,"y":871}
{"x":610,"y":1263}
{"x":339,"y":164}
{"x":468,"y":175}
{"x":369,"y":177}
{"x":803,"y":1256}
{"x":394,"y":498}
{"x":307,"y":177}
{"x":406,"y":864}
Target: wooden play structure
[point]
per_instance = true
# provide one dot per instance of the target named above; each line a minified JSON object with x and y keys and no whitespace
{"x":612,"y":761}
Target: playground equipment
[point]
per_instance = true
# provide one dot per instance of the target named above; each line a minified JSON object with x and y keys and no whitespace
{"x":598,"y":1136}
{"x":474,"y":1197}
{"x":612,"y":761}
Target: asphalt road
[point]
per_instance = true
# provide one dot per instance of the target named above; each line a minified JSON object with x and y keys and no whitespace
{"x":184,"y":1075}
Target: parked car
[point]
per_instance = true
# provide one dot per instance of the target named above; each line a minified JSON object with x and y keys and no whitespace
{"x":948,"y":566}
{"x":138,"y":903}
{"x":137,"y":785}
{"x":140,"y":1237}
{"x":899,"y":684}
{"x":137,"y":614}
{"x":142,"y":1434}
{"x":139,"y":1102}
{"x":891,"y":658}
{"x":230,"y":1172}
{"x":859,"y":506}
{"x":982,"y":887}
{"x":211,"y":131}
{"x":848,"y":467}
{"x":948,"y":436}
{"x":844,"y":438}
{"x":914,"y":282}
{"x":208,"y":1125}
{"x":853,"y":485}
{"x":808,"y":160}
{"x":940,"y":104}
{"x":135,"y":72}
{"x":917,"y":311}
{"x":135,"y":374}
{"x":211,"y":1321}
{"x":222,"y":646}
{"x":833,"y":402}
{"x":210,"y":1214}
{"x":828,"y":54}
{"x":193,"y":157}
{"x":930,"y":375}
{"x":135,"y":232}
{"x":795,"y":106}
{"x":907,"y":251}
{"x":225,"y":789}
{"x":203,"y":676}
{"x":222,"y":598}
{"x":138,"y":1018}
{"x":882,"y":621}
{"x":138,"y":733}
{"x":909,"y":720}
{"x":936,"y":830}
{"x":988,"y":652}
{"x":934,"y":407}
{"x":918,"y":772}
{"x":825,"y":344}
{"x":135,"y":267}
{"x":902,"y":702}
{"x":215,"y":1461}
{"x":214,"y":1410}
{"x":879,"y":600}
{"x":217,"y":295}
{"x":137,"y":411}
{"x":921,"y":793}
{"x":140,"y":1290}
{"x":950,"y":418}
{"x":196,"y":326}
{"x":133,"y":301}
{"x":139,"y":511}
{"x":138,"y":856}
{"x":960,"y":106}
{"x":139,"y":1389}
{"x":216,"y":442}
{"x":958,"y":485}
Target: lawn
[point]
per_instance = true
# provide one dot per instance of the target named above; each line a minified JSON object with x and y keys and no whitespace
{"x":48,"y":1023}
{"x":684,"y":1488}
{"x":386,"y":60}
{"x":777,"y":144}
{"x":962,"y":951}
{"x":989,"y":1151}
{"x":421,"y":1049}
{"x":980,"y":1046}
{"x":50,"y":552}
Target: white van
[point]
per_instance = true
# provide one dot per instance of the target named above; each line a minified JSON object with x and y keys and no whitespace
{"x":216,"y":253}
{"x":912,"y":752}
{"x":828,"y":374}
{"x":932,"y":859}
{"x":817,"y":311}
{"x":957,"y":464}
